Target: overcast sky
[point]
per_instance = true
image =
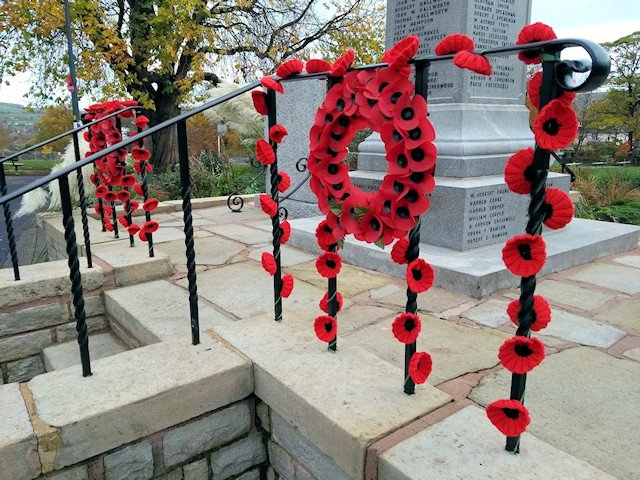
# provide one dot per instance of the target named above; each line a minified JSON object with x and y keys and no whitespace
{"x":598,"y":20}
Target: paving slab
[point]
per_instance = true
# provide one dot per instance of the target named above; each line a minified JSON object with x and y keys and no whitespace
{"x":572,"y":295}
{"x":466,"y":446}
{"x":492,"y":313}
{"x":166,"y":234}
{"x":157,"y":311}
{"x":341,"y":402}
{"x":246,"y":290}
{"x":135,"y":394}
{"x":241,"y":233}
{"x":580,"y":401}
{"x":133,"y":265}
{"x":575,"y":328}
{"x":209,"y":251}
{"x":66,"y":354}
{"x":434,"y":300}
{"x":18,"y":444}
{"x":633,"y":354}
{"x":289,"y":256}
{"x":179,"y":223}
{"x":625,"y":314}
{"x":456,"y":349}
{"x":351,"y":280}
{"x":613,"y":277}
{"x":225,"y":215}
{"x":357,"y":316}
{"x":630,"y":260}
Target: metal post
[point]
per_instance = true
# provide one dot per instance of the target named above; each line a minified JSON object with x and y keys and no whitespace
{"x":275,"y":220}
{"x":74,"y":275}
{"x":8,"y":222}
{"x":185,"y":183}
{"x":548,"y":92}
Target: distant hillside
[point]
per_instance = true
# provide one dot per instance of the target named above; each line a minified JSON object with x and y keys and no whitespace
{"x":17,"y":115}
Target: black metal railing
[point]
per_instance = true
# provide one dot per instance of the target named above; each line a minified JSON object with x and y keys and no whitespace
{"x":557,"y":76}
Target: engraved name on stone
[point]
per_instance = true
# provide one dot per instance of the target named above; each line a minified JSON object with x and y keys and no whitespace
{"x":487,"y":217}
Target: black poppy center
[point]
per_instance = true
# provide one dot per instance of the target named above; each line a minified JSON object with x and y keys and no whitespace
{"x":374,"y":224}
{"x":416,"y":273}
{"x":416,"y":177}
{"x":371,"y":102}
{"x":411,"y":196}
{"x":337,"y":187}
{"x":417,"y":154}
{"x":340,"y":104}
{"x":409,"y":324}
{"x":512,"y":413}
{"x":328,"y":118}
{"x":402,"y":160}
{"x":352,"y":213}
{"x":398,"y":187}
{"x":551,"y":126}
{"x":383,"y":86}
{"x":407,"y":113}
{"x":403,"y":212}
{"x":415,"y":133}
{"x":396,"y":136}
{"x":327,"y":229}
{"x":343,"y":121}
{"x":332,"y":169}
{"x":529,"y":173}
{"x":335,"y":136}
{"x":547,"y":209}
{"x":330,"y":264}
{"x":395,"y":97}
{"x":387,"y":206}
{"x":328,"y":326}
{"x":524,"y":249}
{"x":332,"y":153}
{"x":523,"y":350}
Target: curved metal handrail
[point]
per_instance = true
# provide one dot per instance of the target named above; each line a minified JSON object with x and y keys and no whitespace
{"x":600,"y":67}
{"x":65,"y":134}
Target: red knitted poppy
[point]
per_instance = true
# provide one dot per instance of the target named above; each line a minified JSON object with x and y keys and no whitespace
{"x":403,"y":51}
{"x":326,"y":328}
{"x":269,"y":263}
{"x":420,"y":367}
{"x":284,"y":181}
{"x":259,"y":99}
{"x":285,"y":228}
{"x":264,"y":152}
{"x":521,"y":354}
{"x":518,"y":172}
{"x":454,"y":43}
{"x":472,"y":61}
{"x":291,"y":67}
{"x":541,"y":312}
{"x":150,"y":204}
{"x":268,"y":205}
{"x":342,"y":64}
{"x":269,"y":82}
{"x":329,"y":264}
{"x":420,"y":276}
{"x":287,"y":286}
{"x":406,"y":328}
{"x":399,"y":251}
{"x":524,"y":255}
{"x":317,"y":65}
{"x":324,"y":303}
{"x":556,"y":126}
{"x":511,"y":417}
{"x":277,"y":133}
{"x":558,"y":208}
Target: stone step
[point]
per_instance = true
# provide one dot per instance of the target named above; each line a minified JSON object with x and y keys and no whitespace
{"x":156,"y":312}
{"x":480,"y":271}
{"x":66,"y":354}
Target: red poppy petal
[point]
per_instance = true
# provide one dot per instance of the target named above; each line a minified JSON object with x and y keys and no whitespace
{"x":269,"y":82}
{"x":472,"y":61}
{"x":259,"y":99}
{"x":454,"y":43}
{"x":342,"y":64}
{"x":277,"y":133}
{"x":317,"y":65}
{"x":264,"y":152}
{"x":290,"y":67}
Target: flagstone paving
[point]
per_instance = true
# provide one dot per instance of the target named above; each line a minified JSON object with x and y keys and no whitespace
{"x":582,"y":398}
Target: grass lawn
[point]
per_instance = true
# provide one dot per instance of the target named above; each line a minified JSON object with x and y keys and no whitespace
{"x":29,"y":167}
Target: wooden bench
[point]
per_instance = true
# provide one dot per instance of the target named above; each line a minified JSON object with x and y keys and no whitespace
{"x":16,"y":165}
{"x":598,"y":164}
{"x":626,"y":162}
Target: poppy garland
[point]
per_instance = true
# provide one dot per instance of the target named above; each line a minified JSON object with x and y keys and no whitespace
{"x":524,"y":255}
{"x":111,"y":178}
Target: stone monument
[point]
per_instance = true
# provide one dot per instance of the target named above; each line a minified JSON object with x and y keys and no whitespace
{"x":479,"y":121}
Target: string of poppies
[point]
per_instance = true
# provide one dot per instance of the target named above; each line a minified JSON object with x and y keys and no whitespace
{"x":524,"y":255}
{"x":264,"y":101}
{"x":111,"y":179}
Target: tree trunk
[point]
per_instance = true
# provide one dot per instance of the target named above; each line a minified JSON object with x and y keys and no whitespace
{"x":165,"y":148}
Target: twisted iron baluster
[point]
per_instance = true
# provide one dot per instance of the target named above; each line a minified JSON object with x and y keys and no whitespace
{"x":540,"y":166}
{"x":332,"y":303}
{"x":8,"y":222}
{"x":275,"y":220}
{"x":83,"y":201}
{"x":74,"y":275}
{"x":185,"y":182}
{"x":145,"y":196}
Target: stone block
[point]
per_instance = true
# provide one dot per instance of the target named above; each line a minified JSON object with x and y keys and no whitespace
{"x":305,"y":452}
{"x":38,"y":282}
{"x":466,"y":445}
{"x":24,"y":369}
{"x":209,"y":251}
{"x":67,"y":332}
{"x":492,"y":313}
{"x":199,"y":436}
{"x":64,"y":355}
{"x":614,"y":277}
{"x":572,"y":295}
{"x":262,"y":412}
{"x":18,"y":444}
{"x":241,"y":233}
{"x":24,"y":345}
{"x":74,"y":473}
{"x":198,"y":470}
{"x":480,"y":271}
{"x":456,"y":349}
{"x":134,"y":462}
{"x":250,"y":475}
{"x":158,"y":311}
{"x":175,"y":474}
{"x":226,"y":285}
{"x":132,"y":266}
{"x":578,"y":400}
{"x":137,"y":393}
{"x":581,"y":330}
{"x":280,"y":460}
{"x":33,"y":318}
{"x":633,"y":354}
{"x":366,"y":400}
{"x":238,"y":457}
{"x":93,"y":306}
